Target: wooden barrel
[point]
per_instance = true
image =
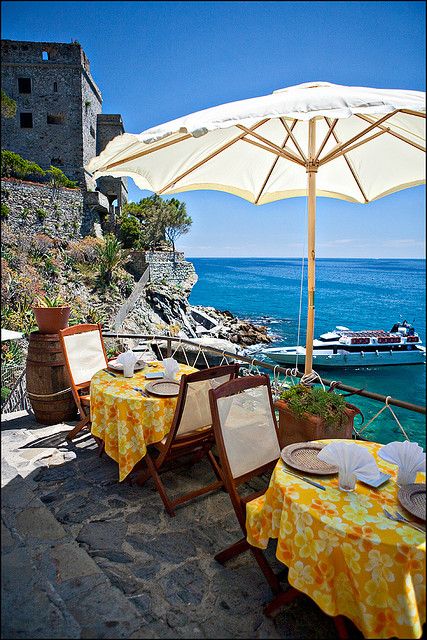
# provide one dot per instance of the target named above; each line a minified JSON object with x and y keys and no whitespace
{"x":48,"y":385}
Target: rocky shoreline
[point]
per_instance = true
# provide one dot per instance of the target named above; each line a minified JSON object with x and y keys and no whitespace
{"x":164,"y":309}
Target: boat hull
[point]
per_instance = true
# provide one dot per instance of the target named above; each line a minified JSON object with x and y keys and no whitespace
{"x":388,"y":358}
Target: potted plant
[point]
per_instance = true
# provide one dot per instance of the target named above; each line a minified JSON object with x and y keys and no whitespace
{"x":51,"y":314}
{"x":311,"y":413}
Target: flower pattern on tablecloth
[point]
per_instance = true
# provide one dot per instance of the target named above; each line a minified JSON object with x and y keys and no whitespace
{"x":126,"y":421}
{"x":343,"y":552}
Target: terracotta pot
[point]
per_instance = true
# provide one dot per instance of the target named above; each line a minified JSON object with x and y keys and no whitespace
{"x":52,"y":319}
{"x":310,"y":427}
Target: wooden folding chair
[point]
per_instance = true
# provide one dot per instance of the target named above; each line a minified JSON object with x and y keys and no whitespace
{"x":191,"y":432}
{"x":247,"y":439}
{"x":84,"y":354}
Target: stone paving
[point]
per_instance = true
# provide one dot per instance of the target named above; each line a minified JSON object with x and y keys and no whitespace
{"x":87,"y":557}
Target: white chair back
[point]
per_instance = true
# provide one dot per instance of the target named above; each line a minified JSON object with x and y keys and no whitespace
{"x":197,"y":412}
{"x":248,"y":430}
{"x":85,"y":355}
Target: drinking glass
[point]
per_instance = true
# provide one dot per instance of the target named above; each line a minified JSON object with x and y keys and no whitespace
{"x":346,"y":481}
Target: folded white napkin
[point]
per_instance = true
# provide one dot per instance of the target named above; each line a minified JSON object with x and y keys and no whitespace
{"x":409,"y":457}
{"x":128,"y":359}
{"x":171,"y":368}
{"x":350,"y":458}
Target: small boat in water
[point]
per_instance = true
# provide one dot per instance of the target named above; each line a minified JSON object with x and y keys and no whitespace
{"x":345,"y":348}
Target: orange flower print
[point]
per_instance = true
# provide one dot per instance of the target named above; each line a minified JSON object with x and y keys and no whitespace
{"x":324,"y":508}
{"x":385,"y":624}
{"x":411,"y":557}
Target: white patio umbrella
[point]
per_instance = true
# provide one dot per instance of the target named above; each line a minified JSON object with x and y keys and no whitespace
{"x":6,"y":334}
{"x":353,"y":143}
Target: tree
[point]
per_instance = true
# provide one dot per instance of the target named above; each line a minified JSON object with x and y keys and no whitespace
{"x":130,"y":230}
{"x":8,"y":106}
{"x":161,"y":220}
{"x":178,"y":222}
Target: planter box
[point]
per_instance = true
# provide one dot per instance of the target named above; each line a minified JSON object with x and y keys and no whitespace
{"x":310,"y":427}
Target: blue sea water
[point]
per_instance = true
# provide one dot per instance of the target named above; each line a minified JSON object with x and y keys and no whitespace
{"x":357,"y":293}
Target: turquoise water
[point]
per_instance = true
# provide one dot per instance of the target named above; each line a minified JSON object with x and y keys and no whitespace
{"x":357,"y":293}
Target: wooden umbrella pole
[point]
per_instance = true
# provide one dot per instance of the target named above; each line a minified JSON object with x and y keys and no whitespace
{"x":311,"y":168}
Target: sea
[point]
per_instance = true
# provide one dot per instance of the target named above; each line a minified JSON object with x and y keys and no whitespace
{"x":357,"y":293}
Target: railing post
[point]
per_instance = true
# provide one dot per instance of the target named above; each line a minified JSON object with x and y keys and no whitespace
{"x":168,"y":347}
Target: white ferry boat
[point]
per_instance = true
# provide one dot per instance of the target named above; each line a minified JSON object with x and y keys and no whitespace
{"x":345,"y":348}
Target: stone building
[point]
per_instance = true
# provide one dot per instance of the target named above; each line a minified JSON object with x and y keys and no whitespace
{"x":59,"y":118}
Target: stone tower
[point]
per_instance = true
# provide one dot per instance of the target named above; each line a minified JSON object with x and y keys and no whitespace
{"x":58,"y":106}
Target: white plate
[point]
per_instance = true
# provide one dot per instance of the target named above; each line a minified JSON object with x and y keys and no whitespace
{"x":118,"y":366}
{"x":383,"y":477}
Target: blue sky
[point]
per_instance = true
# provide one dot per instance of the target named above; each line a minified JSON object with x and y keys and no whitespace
{"x":155,"y":61}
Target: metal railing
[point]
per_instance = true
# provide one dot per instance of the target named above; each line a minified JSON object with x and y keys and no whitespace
{"x":276,"y":369}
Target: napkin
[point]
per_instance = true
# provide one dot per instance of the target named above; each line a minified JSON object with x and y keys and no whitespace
{"x":409,"y":457}
{"x":171,"y":368}
{"x":128,"y":359}
{"x":351,"y":459}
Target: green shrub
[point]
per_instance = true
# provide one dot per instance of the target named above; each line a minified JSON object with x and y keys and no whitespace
{"x":41,"y":214}
{"x":8,"y":106}
{"x":25,"y":214}
{"x":129,"y":231}
{"x":314,"y":400}
{"x":111,"y":257}
{"x":13,"y":165}
{"x":57,"y":178}
{"x":4,"y":211}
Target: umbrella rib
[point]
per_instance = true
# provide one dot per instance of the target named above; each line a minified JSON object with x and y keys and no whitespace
{"x":284,"y":152}
{"x":392,"y":133}
{"x":278,"y":153}
{"x":337,"y":151}
{"x":292,"y":137}
{"x":349,"y":165}
{"x":209,"y":157}
{"x":326,"y":138}
{"x":273,"y":166}
{"x":145,"y":153}
{"x":341,"y":151}
{"x":411,"y":112}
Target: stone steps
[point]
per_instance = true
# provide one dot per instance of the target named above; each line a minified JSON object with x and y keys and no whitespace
{"x":51,"y":587}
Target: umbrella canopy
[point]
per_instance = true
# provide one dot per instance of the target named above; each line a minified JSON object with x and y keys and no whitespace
{"x":6,"y":334}
{"x":353,"y":143}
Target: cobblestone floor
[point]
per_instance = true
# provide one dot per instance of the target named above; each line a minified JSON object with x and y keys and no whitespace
{"x":118,"y":564}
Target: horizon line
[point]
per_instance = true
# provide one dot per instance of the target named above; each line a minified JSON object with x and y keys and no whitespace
{"x":299,"y":258}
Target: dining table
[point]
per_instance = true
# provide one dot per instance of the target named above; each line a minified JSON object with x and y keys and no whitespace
{"x":342,"y":551}
{"x":126,"y":417}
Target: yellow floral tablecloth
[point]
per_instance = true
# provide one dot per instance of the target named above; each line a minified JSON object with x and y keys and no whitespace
{"x":343,"y":552}
{"x":127,"y":421}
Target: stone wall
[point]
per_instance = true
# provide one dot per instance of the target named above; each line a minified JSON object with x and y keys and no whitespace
{"x":36,"y":209}
{"x":170,"y":269}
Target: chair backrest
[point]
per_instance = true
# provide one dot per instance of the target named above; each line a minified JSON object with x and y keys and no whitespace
{"x":193,"y":410}
{"x":245,"y":427}
{"x":84,"y":352}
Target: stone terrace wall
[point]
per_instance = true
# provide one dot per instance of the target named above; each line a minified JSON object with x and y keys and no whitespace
{"x":165,"y":269}
{"x":35,"y":208}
